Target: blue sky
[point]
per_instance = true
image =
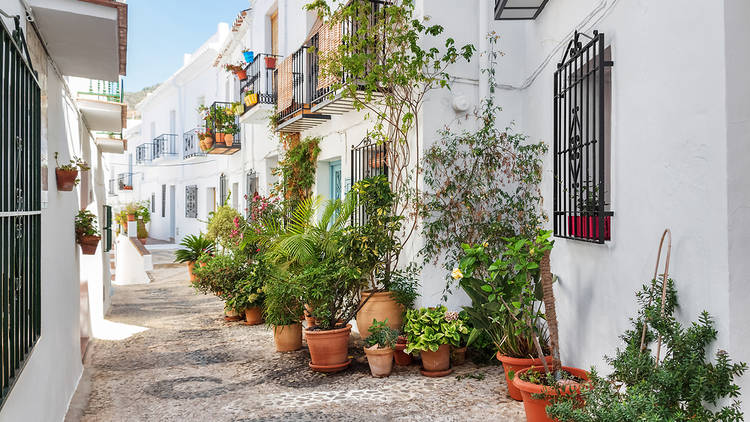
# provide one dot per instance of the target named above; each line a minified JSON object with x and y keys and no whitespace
{"x":161,"y":31}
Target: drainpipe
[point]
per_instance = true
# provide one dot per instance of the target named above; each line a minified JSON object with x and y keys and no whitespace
{"x":482,"y":16}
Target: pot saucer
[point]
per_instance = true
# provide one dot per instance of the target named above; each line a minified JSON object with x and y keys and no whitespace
{"x":232,"y":319}
{"x":436,"y":374}
{"x":330,"y":368}
{"x":254,"y":323}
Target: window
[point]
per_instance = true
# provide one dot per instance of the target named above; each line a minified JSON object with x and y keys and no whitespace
{"x":582,"y":101}
{"x":191,"y":201}
{"x":274,"y":23}
{"x":210,"y":200}
{"x":368,"y":160}
{"x":251,"y":188}
{"x":20,"y":221}
{"x":222,"y":189}
{"x":163,"y":200}
{"x":235,"y":195}
{"x":153,"y":203}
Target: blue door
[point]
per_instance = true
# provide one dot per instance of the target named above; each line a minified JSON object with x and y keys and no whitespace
{"x":335,"y":180}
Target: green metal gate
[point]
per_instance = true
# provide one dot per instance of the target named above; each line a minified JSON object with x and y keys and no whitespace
{"x":20,"y":208}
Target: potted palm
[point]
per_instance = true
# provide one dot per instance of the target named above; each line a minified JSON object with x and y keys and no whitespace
{"x":192,"y":248}
{"x":66,"y":175}
{"x":87,"y":234}
{"x":379,"y":347}
{"x":432,"y":332}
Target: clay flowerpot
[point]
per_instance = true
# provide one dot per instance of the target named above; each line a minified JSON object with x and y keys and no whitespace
{"x":231,"y":315}
{"x":513,"y":365}
{"x":89,"y":244}
{"x":190,"y":266}
{"x":402,"y":358}
{"x":436,"y":363}
{"x":241,"y":74}
{"x":536,"y":408}
{"x":143,"y":240}
{"x":270,"y":62}
{"x":66,"y":179}
{"x":309,"y":319}
{"x":380,"y":306}
{"x":458,"y":356}
{"x":229,"y":139}
{"x":254,"y":315}
{"x":329,"y":349}
{"x":380,"y":361}
{"x":287,"y":338}
{"x":219,"y":138}
{"x":131,"y":217}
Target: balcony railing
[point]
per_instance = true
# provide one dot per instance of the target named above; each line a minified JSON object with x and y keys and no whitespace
{"x":165,"y":146}
{"x":223,"y":127}
{"x":143,"y":153}
{"x":191,"y":144}
{"x":260,"y":81}
{"x":289,"y":78}
{"x":103,"y":91}
{"x":125,"y":181}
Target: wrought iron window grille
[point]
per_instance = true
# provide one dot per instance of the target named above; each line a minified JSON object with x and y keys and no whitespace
{"x":368,"y":159}
{"x":191,"y":201}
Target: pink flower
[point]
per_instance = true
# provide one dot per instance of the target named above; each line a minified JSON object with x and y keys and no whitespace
{"x":236,"y":222}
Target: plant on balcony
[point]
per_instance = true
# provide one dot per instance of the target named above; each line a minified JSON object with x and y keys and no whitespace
{"x":237,"y":69}
{"x":684,"y":385}
{"x":389,"y":78}
{"x":66,"y":175}
{"x":432,"y":332}
{"x":193,"y":246}
{"x":248,"y":55}
{"x":586,"y":224}
{"x":250,"y":98}
{"x":87,"y":234}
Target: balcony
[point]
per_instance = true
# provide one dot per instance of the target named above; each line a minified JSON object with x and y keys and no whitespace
{"x":164,"y":146}
{"x":258,"y":90}
{"x":191,"y":144}
{"x":143,"y":153}
{"x":223,"y":129}
{"x":110,"y":142}
{"x":102,"y":106}
{"x":125,"y":181}
{"x":293,"y":94}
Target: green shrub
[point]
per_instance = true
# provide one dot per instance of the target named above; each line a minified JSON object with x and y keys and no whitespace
{"x":283,"y":304}
{"x":221,"y":275}
{"x":429,"y":328}
{"x":381,"y":335}
{"x":224,"y":227}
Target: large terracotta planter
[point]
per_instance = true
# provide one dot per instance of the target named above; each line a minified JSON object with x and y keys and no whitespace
{"x":89,"y":244}
{"x":190,"y":266}
{"x":287,"y":338}
{"x":437,"y":362}
{"x":513,"y":365}
{"x":380,"y":361}
{"x":380,"y":306}
{"x":536,"y":408}
{"x":66,"y":179}
{"x":329,"y":349}
{"x":402,"y":358}
{"x":254,"y":315}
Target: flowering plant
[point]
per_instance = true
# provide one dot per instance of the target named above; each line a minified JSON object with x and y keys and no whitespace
{"x":263,"y":210}
{"x":429,"y":328}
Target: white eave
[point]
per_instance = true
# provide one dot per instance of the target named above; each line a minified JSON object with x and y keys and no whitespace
{"x":102,"y":116}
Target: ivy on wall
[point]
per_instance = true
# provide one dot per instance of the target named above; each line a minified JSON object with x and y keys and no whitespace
{"x":296,"y":171}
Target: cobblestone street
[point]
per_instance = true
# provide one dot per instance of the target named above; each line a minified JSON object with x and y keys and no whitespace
{"x":190,"y":365}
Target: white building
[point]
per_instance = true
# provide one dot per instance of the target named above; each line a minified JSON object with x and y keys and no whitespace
{"x":60,"y":72}
{"x":674,"y":150}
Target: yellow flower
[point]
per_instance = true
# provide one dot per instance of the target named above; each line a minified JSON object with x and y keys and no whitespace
{"x":457,"y":274}
{"x":485,"y":244}
{"x":531,"y":251}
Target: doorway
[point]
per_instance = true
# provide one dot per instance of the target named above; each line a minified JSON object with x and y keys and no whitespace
{"x":335,"y":183}
{"x":172,"y":213}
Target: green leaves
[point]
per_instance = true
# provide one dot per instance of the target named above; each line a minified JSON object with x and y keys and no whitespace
{"x":429,"y":328}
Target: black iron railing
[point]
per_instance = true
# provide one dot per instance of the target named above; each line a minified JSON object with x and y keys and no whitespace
{"x":165,"y":146}
{"x":20,"y":207}
{"x":125,"y":181}
{"x":369,"y":159}
{"x":300,"y":89}
{"x":260,"y":81}
{"x":580,"y":165}
{"x":144,"y":153}
{"x":223,"y":126}
{"x":191,"y":144}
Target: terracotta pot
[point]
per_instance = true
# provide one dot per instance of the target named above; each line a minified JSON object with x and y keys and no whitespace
{"x":89,"y":244}
{"x":437,"y":361}
{"x":66,"y":179}
{"x":402,"y":358}
{"x":536,"y":409}
{"x":254,"y":315}
{"x":228,"y":139}
{"x":514,"y":365}
{"x":287,"y":338}
{"x":380,"y":306}
{"x":380,"y":361}
{"x":190,"y":266}
{"x":270,"y":62}
{"x":329,"y":349}
{"x":231,"y":315}
{"x":241,"y":74}
{"x":143,"y":240}
{"x":131,"y":217}
{"x":219,"y":138}
{"x":309,"y":319}
{"x":458,"y":356}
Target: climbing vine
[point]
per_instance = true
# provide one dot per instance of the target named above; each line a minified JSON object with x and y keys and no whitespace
{"x":296,"y":171}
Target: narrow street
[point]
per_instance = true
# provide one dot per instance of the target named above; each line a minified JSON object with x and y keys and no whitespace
{"x":190,"y":365}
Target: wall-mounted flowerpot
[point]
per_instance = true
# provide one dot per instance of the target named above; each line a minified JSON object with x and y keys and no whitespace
{"x":329,"y":349}
{"x":438,"y":363}
{"x":402,"y":358}
{"x":287,"y":338}
{"x":587,"y":226}
{"x":131,"y":217}
{"x":380,"y":306}
{"x":270,"y":62}
{"x":458,"y":355}
{"x":536,"y":408}
{"x":380,"y":361}
{"x":66,"y":179}
{"x":251,"y":99}
{"x":248,"y":56}
{"x":254,"y":315}
{"x":126,"y":187}
{"x":89,"y":244}
{"x":241,"y":74}
{"x":228,"y":139}
{"x":512,"y":365}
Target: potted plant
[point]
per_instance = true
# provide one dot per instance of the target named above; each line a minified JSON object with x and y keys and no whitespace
{"x":250,"y":98}
{"x":192,"y":248}
{"x":248,"y":55}
{"x":458,"y":352}
{"x":432,"y":331}
{"x":131,"y":210}
{"x":379,"y":347}
{"x":270,"y":62}
{"x":221,"y":275}
{"x":87,"y":234}
{"x":143,"y":216}
{"x":587,"y":224}
{"x":206,"y":141}
{"x":249,"y":294}
{"x":399,"y":355}
{"x":283,"y":306}
{"x":66,"y":175}
{"x":237,"y":69}
{"x":490,"y":284}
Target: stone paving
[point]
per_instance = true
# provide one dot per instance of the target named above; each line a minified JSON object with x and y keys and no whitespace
{"x":191,"y":365}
